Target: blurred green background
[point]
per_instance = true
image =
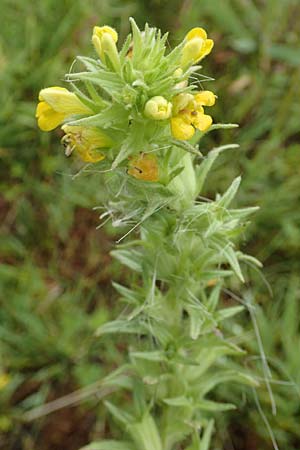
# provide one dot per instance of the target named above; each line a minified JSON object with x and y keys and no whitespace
{"x":55,"y":267}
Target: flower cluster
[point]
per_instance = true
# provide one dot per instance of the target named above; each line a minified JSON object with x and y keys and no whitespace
{"x":130,"y":102}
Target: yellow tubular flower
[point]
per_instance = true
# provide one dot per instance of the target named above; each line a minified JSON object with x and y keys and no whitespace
{"x":144,"y":167}
{"x":196,"y":47}
{"x":86,"y":141}
{"x":189,"y":114}
{"x":55,"y":105}
{"x":104,"y":40}
{"x":158,"y":108}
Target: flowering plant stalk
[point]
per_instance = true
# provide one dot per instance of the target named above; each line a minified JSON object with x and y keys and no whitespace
{"x":136,"y":117}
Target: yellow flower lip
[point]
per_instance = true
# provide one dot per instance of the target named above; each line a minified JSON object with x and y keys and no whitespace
{"x":55,"y":105}
{"x":158,"y":108}
{"x":205,"y":98}
{"x":197,"y":46}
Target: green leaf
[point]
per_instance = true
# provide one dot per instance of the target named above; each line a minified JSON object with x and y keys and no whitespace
{"x":243,"y":257}
{"x":225,"y":313}
{"x":207,"y":435}
{"x":90,"y":64}
{"x":119,"y":414}
{"x":207,"y":405}
{"x":120,"y":326}
{"x":130,"y":295}
{"x":158,"y":355}
{"x":203,"y":169}
{"x":285,"y":53}
{"x":229,"y":195}
{"x":223,"y":126}
{"x":109,"y":445}
{"x":130,"y":258}
{"x":214,"y":297}
{"x":231,"y":257}
{"x":179,"y":401}
{"x":145,"y":434}
{"x":242,"y":212}
{"x":104,"y":119}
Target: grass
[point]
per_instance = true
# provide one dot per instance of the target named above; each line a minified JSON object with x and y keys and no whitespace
{"x":55,"y":271}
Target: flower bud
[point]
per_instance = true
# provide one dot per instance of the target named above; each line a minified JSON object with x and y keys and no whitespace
{"x":101,"y":31}
{"x":158,"y":108}
{"x":109,"y":48}
{"x":104,"y":40}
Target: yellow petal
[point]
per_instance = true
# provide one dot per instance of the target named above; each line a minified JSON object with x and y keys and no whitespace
{"x":205,"y":98}
{"x":53,"y":87}
{"x":181,"y":129}
{"x":181,"y":101}
{"x":97,"y":44}
{"x":41,"y":108}
{"x":63,"y":101}
{"x":207,"y":48}
{"x":192,"y":51}
{"x":200,"y":109}
{"x":196,"y":33}
{"x":108,"y":47}
{"x":203,"y":122}
{"x":48,"y":119}
{"x":100,"y":31}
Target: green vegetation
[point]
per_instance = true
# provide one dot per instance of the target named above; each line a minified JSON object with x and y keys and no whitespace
{"x":56,"y":269}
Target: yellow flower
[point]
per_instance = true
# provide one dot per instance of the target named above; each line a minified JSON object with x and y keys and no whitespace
{"x":189,"y":114}
{"x":86,"y":141}
{"x":55,"y":105}
{"x":99,"y":32}
{"x":104,"y":40}
{"x":4,"y":380}
{"x":144,"y":167}
{"x":158,"y":108}
{"x":205,"y":98}
{"x":196,"y":47}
